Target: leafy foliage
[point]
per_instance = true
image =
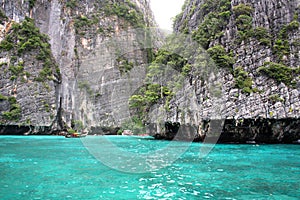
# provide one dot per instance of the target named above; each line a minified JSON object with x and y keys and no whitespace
{"x":280,"y":72}
{"x":2,"y":97}
{"x":244,"y":22}
{"x":71,"y":4}
{"x":242,"y":9}
{"x":275,"y":98}
{"x":147,"y":96}
{"x":124,"y":64}
{"x":216,"y":16}
{"x":262,"y":35}
{"x":177,"y":62}
{"x":29,"y":37}
{"x":293,"y":25}
{"x":26,"y":37}
{"x":211,"y":5}
{"x":31,"y":3}
{"x":7,"y":44}
{"x":82,"y":23}
{"x":3,"y":17}
{"x":281,"y":45}
{"x":242,"y":80}
{"x":135,"y":124}
{"x":16,"y":70}
{"x":84,"y":85}
{"x":14,"y":114}
{"x":126,"y":10}
{"x":281,"y":48}
{"x":71,"y":131}
{"x":221,"y":57}
{"x":77,"y":125}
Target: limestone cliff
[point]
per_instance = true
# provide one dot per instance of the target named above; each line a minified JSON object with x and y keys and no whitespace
{"x":59,"y":66}
{"x":75,"y":64}
{"x":255,"y":46}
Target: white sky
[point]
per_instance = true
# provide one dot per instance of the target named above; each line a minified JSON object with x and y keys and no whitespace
{"x":165,"y":10}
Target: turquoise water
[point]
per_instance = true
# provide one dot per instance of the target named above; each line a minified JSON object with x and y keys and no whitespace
{"x":38,"y":167}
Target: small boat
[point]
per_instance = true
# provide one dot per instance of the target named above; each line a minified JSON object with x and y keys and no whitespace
{"x":127,"y":133}
{"x":76,"y":135}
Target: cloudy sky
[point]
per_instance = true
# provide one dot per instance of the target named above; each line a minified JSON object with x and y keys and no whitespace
{"x":165,"y":10}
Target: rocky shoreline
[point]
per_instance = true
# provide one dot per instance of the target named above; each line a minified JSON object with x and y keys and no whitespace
{"x":246,"y":131}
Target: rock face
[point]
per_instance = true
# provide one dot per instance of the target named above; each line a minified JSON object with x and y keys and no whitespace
{"x":261,"y":131}
{"x":75,"y":64}
{"x":65,"y":74}
{"x":255,"y":46}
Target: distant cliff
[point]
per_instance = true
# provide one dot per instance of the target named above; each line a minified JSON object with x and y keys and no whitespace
{"x":58,"y":69}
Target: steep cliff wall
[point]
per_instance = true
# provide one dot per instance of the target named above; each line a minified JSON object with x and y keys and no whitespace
{"x":76,"y":64}
{"x":255,"y":47}
{"x":29,"y":75}
{"x":73,"y":82}
{"x":267,"y":34}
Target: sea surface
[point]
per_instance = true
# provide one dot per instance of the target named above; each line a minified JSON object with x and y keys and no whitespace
{"x":52,"y":167}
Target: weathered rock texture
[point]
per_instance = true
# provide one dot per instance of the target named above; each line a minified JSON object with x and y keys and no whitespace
{"x":233,"y":26}
{"x":76,"y":63}
{"x":93,"y":43}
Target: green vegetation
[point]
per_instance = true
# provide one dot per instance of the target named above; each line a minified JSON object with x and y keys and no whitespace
{"x":3,"y":17}
{"x":243,"y":21}
{"x":71,"y":3}
{"x":164,"y":63}
{"x":242,"y":9}
{"x":180,"y":15}
{"x":77,"y":125}
{"x":147,"y":96}
{"x":262,"y":35}
{"x":14,"y":113}
{"x":134,"y":124}
{"x":2,"y":97}
{"x":31,"y":4}
{"x":26,"y":37}
{"x":184,"y":27}
{"x":71,"y":131}
{"x":83,"y":23}
{"x":84,"y":85}
{"x":280,"y":72}
{"x":124,"y":65}
{"x":243,"y":81}
{"x":286,"y":29}
{"x":16,"y":70}
{"x":212,"y":5}
{"x":7,"y":44}
{"x":47,"y":107}
{"x":275,"y":98}
{"x":221,"y":57}
{"x":216,"y":16}
{"x":177,"y":62}
{"x":281,"y":46}
{"x":126,"y":10}
{"x":29,"y":37}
